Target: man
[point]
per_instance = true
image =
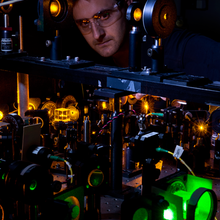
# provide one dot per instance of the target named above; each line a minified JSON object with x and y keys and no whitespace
{"x":104,"y":26}
{"x":107,"y":35}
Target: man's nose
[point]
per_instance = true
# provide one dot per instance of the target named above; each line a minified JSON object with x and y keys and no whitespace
{"x":98,"y":32}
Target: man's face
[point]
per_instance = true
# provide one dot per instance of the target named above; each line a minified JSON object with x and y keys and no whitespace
{"x":104,"y":40}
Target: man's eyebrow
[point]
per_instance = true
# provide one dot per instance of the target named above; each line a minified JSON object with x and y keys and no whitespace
{"x":103,"y":10}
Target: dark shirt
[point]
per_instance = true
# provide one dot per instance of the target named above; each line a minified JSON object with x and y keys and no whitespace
{"x":192,"y":53}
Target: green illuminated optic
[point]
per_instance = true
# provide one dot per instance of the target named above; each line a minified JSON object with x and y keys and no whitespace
{"x":75,"y":211}
{"x":204,"y":207}
{"x":33,"y":185}
{"x":87,"y":186}
{"x":3,"y":176}
{"x":168,"y":214}
{"x":95,"y":178}
{"x":98,"y":167}
{"x":140,"y":214}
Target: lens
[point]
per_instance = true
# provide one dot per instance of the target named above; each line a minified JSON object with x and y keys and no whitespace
{"x":33,"y":185}
{"x":204,"y":207}
{"x":95,"y":178}
{"x":141,"y":214}
{"x":74,"y":206}
{"x":137,"y":14}
{"x":55,"y":8}
{"x":6,"y":8}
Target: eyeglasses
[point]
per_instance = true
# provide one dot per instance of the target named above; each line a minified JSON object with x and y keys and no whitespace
{"x":103,"y":18}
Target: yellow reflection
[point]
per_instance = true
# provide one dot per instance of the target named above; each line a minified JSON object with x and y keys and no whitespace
{"x":62,"y":114}
{"x":165,"y":16}
{"x":137,"y":14}
{"x":55,"y":8}
{"x":104,"y":105}
{"x":1,"y":115}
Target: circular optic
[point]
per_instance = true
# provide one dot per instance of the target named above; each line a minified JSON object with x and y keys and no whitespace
{"x":137,"y":14}
{"x":51,"y":106}
{"x":33,"y":185}
{"x":202,"y":205}
{"x":74,"y":113}
{"x":68,"y":101}
{"x":55,"y":8}
{"x":140,"y":214}
{"x":95,"y":178}
{"x":74,"y":204}
{"x":159,"y":17}
{"x":7,"y":8}
{"x":176,"y":186}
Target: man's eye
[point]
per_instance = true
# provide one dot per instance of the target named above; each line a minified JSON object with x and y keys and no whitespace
{"x":84,"y":23}
{"x":105,"y":15}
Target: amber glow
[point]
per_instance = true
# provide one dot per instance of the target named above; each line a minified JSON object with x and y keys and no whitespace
{"x":137,"y":14}
{"x":31,"y":106}
{"x":104,"y":105}
{"x":74,"y":113}
{"x":55,"y":8}
{"x":1,"y":115}
{"x":62,"y":114}
{"x":200,"y":128}
{"x":165,"y":17}
{"x":86,"y":110}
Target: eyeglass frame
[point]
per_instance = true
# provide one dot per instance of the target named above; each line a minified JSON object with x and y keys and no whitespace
{"x":96,"y":20}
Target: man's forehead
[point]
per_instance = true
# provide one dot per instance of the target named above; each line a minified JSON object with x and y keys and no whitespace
{"x":87,"y":8}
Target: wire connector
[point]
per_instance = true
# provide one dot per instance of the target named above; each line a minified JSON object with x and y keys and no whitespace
{"x":160,"y":150}
{"x":56,"y":158}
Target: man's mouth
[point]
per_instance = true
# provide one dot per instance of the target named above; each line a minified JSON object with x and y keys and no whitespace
{"x":105,"y":43}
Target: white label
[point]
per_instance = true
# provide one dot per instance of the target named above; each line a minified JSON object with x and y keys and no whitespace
{"x":178,"y":151}
{"x":6,"y":44}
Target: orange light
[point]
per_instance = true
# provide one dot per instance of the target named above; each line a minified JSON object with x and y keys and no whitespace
{"x":137,"y":14}
{"x":1,"y":115}
{"x":62,"y":114}
{"x":201,"y":128}
{"x":104,"y":105}
{"x":86,"y":110}
{"x":74,"y":113}
{"x":55,"y":8}
{"x":165,"y":16}
{"x":93,"y":132}
{"x":31,"y":106}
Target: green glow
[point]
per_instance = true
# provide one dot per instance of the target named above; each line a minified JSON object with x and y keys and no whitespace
{"x":98,"y":167}
{"x":96,"y":178}
{"x":33,"y":185}
{"x":168,"y":214}
{"x":184,"y":209}
{"x":195,"y":182}
{"x":87,"y":186}
{"x":141,"y":214}
{"x":75,"y":211}
{"x":3,"y":176}
{"x":204,"y":207}
{"x":74,"y":205}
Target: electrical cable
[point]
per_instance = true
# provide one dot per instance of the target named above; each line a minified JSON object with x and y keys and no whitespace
{"x":181,"y":160}
{"x":70,"y":169}
{"x":112,"y":121}
{"x":56,"y":158}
